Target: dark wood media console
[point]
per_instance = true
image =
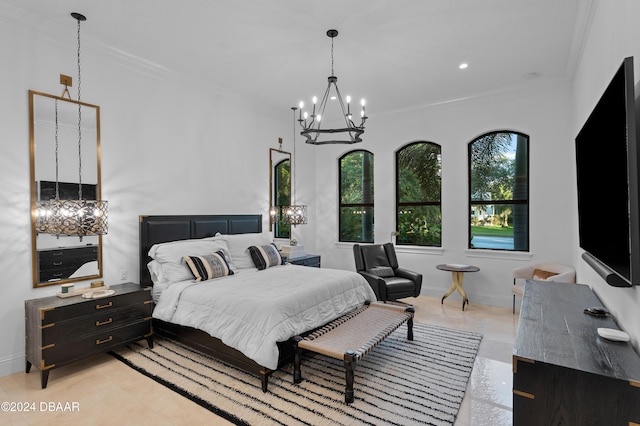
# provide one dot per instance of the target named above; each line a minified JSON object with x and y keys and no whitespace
{"x":564,"y":373}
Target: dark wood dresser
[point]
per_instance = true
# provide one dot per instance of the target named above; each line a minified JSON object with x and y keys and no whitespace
{"x":59,"y":263}
{"x":564,"y":373}
{"x":311,"y":260}
{"x":63,"y":330}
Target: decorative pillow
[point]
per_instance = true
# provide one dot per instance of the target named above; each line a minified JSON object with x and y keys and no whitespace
{"x":265,"y":256}
{"x":238,"y":244}
{"x":209,"y":266}
{"x":539,"y":274}
{"x":382,"y":271}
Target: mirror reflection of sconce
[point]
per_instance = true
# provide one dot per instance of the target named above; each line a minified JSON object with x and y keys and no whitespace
{"x":279,"y":190}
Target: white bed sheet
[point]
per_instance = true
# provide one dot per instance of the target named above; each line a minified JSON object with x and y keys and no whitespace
{"x":253,"y":310}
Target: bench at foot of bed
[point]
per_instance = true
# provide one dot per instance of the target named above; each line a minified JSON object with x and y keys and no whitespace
{"x":352,"y":336}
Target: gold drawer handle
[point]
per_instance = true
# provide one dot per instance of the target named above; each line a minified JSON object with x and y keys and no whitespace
{"x":108,"y":305}
{"x":109,"y":321}
{"x":99,"y":342}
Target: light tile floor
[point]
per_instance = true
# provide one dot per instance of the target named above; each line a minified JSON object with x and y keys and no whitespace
{"x":108,"y":392}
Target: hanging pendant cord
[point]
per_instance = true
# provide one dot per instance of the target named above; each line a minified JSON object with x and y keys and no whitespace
{"x":293,"y":202}
{"x":57,"y":191}
{"x":332,"y":56}
{"x":79,"y":124}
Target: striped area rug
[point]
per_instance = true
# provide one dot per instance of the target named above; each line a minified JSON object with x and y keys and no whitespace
{"x":400,"y":382}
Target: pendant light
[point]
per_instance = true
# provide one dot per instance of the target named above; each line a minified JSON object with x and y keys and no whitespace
{"x":73,"y":217}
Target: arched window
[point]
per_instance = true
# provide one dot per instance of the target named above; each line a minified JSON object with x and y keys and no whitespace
{"x":499,"y":191}
{"x":282,"y":196}
{"x":418,"y":190}
{"x":356,"y":197}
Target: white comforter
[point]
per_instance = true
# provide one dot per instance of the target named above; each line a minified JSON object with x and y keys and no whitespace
{"x":252,"y":310}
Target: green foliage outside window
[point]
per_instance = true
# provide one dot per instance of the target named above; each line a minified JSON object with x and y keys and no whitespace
{"x":419,"y":186}
{"x":356,"y":197}
{"x":282,"y":197}
{"x":499,"y":191}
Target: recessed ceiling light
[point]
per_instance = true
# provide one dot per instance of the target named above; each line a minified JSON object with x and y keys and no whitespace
{"x":463,"y":65}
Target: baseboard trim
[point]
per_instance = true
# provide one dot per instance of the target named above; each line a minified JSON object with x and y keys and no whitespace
{"x":12,"y":364}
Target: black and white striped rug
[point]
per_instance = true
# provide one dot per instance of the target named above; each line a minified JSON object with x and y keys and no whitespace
{"x":400,"y":382}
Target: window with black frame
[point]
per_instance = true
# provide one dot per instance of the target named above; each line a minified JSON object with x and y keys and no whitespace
{"x":356,"y":217}
{"x":418,"y":194}
{"x":282,"y":197}
{"x":499,"y":191}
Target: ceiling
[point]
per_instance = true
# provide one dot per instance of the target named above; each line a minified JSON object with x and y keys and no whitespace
{"x":397,"y":54}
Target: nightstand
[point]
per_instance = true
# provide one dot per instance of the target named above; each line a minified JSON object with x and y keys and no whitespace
{"x":60,"y":331}
{"x":312,"y":260}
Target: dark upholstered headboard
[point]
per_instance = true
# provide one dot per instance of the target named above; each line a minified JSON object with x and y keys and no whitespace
{"x":162,"y":229}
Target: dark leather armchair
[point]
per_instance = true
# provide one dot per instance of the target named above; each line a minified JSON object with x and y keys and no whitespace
{"x":378,"y":264}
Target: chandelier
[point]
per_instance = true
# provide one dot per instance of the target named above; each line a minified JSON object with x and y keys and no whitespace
{"x":312,"y":123}
{"x":72,"y":217}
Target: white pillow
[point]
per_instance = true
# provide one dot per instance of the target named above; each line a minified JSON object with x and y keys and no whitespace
{"x":169,"y":272}
{"x":239,"y":244}
{"x":155,"y":271}
{"x":174,"y":251}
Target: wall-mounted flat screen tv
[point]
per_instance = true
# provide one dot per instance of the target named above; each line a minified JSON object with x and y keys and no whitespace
{"x":607,"y":177}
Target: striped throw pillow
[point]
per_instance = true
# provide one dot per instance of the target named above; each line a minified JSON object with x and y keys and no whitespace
{"x":209,"y":266}
{"x":265,"y":256}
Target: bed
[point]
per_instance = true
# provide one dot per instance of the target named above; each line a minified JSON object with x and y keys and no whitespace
{"x":246,"y":315}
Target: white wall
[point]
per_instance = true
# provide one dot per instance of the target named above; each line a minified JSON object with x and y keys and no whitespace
{"x":167,"y":148}
{"x":613,"y":35}
{"x":541,"y":111}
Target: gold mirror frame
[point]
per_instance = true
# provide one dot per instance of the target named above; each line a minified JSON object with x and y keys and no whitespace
{"x":63,"y":259}
{"x":275,"y":157}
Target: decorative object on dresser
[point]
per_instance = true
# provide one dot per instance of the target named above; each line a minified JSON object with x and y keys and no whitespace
{"x":63,"y":330}
{"x":563,"y":371}
{"x":293,"y":251}
{"x":312,"y":260}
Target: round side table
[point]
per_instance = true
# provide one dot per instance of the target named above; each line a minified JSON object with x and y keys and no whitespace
{"x":457,"y":271}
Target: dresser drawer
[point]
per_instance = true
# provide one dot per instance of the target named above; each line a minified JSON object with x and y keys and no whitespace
{"x":64,"y":352}
{"x":92,"y":306}
{"x":63,"y":331}
{"x":60,"y":263}
{"x":77,"y":255}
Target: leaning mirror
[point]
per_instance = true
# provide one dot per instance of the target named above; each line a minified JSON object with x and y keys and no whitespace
{"x":65,"y":169}
{"x":279,"y":191}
